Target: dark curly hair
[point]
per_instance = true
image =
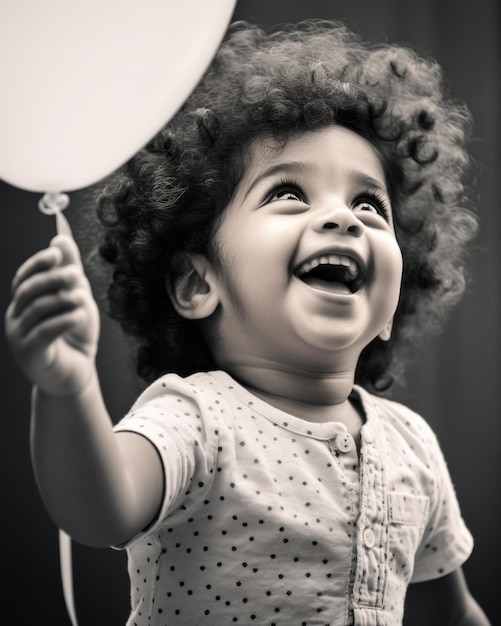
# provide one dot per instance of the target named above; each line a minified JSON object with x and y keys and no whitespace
{"x":171,"y":196}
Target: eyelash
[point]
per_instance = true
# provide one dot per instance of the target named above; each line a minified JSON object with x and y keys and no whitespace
{"x":284,"y":186}
{"x":377,"y":200}
{"x":372,"y":197}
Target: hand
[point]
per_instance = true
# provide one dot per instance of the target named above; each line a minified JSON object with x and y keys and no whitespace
{"x":52,"y":323}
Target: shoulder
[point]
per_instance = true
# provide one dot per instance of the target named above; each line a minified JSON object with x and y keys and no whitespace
{"x":402,"y":430}
{"x":179,"y":408}
{"x":396,"y":417}
{"x":198,"y":404}
{"x":200,"y":388}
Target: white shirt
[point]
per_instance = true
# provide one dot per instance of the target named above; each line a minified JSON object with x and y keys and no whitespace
{"x":271,"y":519}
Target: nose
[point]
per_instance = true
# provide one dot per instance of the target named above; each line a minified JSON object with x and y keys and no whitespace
{"x":341,"y":219}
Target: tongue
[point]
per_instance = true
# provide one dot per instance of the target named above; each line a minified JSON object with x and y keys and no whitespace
{"x":328,"y":285}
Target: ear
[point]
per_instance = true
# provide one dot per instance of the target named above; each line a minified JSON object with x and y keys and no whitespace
{"x":194,"y":294}
{"x":385,"y":334}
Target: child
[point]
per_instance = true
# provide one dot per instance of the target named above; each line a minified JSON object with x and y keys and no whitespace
{"x":278,"y":249}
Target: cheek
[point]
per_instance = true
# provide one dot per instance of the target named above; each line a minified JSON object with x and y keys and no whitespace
{"x":399,"y":265}
{"x":389,"y":274}
{"x":258,"y":246}
{"x":391,"y":265}
{"x":396,"y":264}
{"x":394,"y":276}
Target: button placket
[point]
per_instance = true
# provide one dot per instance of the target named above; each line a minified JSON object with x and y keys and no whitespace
{"x":372,"y":532}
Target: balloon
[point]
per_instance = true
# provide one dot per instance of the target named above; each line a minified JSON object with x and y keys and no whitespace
{"x":86,"y":83}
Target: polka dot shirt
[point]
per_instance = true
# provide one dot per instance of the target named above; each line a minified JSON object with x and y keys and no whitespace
{"x":271,"y":519}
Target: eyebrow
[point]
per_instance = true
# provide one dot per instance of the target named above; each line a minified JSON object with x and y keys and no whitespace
{"x":369,"y":181}
{"x":295,"y":167}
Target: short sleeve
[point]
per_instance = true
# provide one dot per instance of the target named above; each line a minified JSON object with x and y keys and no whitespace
{"x":184,"y":433}
{"x":447,"y":542}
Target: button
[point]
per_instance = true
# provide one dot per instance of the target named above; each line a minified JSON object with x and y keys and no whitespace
{"x":344,"y":442}
{"x":369,"y":538}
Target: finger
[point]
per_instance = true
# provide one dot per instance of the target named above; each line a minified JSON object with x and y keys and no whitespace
{"x":71,"y":256}
{"x":51,"y":329}
{"x":45,"y":308}
{"x":69,"y":249}
{"x":35,"y":351}
{"x":39,"y":262}
{"x":59,"y":279}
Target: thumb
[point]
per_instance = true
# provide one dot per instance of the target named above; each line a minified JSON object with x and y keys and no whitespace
{"x":69,"y":250}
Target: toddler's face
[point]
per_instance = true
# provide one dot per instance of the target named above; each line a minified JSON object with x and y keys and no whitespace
{"x":311,"y":265}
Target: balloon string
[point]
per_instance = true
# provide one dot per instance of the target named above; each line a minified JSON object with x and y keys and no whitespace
{"x":67,"y":575}
{"x":54,"y":203}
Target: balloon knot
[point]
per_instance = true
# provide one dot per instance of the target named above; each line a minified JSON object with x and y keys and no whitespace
{"x":53,"y":202}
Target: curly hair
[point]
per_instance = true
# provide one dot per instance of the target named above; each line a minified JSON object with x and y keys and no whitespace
{"x":172,"y":195}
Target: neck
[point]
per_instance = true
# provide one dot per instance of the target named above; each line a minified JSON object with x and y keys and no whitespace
{"x":307,"y":395}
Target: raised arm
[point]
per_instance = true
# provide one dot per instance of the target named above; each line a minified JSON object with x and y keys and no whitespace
{"x":92,"y":480}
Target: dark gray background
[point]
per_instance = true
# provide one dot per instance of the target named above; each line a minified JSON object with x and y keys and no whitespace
{"x":455,"y":383}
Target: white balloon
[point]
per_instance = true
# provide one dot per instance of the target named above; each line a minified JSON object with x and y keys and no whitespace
{"x":86,"y":83}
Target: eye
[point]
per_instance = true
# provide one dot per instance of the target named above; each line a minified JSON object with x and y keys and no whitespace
{"x":373,"y":202}
{"x":287,"y":195}
{"x":286,"y":190}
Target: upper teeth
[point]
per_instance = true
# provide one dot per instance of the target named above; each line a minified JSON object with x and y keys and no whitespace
{"x":331,"y":259}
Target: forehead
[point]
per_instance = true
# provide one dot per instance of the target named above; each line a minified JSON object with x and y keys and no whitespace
{"x":334,"y":148}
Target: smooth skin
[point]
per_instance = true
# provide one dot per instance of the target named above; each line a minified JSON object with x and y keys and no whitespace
{"x":92,"y":481}
{"x":275,"y":334}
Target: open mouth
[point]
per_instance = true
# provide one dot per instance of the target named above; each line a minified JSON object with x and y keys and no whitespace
{"x":333,"y":273}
